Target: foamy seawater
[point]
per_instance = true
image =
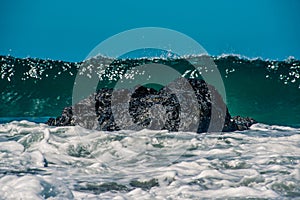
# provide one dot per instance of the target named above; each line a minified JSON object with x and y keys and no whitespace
{"x":42,"y":162}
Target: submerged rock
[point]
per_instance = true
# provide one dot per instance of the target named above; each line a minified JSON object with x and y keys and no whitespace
{"x":148,"y":108}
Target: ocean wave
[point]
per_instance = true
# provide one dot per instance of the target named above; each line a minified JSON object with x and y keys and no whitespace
{"x":266,"y":90}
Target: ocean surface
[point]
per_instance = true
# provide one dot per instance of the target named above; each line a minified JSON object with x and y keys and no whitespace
{"x":42,"y":162}
{"x":267,"y":90}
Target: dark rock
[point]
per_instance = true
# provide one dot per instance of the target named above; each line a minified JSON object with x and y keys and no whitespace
{"x":96,"y":111}
{"x":243,"y":123}
{"x":66,"y":118}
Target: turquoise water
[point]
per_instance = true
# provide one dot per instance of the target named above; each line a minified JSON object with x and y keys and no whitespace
{"x":268,"y":91}
{"x":43,"y":162}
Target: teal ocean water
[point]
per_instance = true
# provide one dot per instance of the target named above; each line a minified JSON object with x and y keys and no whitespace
{"x":38,"y":161}
{"x":267,"y":90}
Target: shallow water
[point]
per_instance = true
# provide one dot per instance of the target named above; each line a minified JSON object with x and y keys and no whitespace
{"x":40,"y":162}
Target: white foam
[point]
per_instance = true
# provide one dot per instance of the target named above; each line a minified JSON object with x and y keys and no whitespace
{"x":11,"y":146}
{"x":264,"y":127}
{"x":239,"y":165}
{"x":26,"y":187}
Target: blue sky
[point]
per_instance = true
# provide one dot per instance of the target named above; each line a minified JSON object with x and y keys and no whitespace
{"x":69,"y":30}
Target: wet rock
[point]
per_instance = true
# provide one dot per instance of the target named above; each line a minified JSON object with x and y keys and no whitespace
{"x":243,"y":123}
{"x":66,"y":118}
{"x":148,"y":108}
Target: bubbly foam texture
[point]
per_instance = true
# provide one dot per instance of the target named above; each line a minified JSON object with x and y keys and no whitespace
{"x":37,"y":161}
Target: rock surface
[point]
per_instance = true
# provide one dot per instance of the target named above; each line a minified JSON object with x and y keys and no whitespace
{"x":153,"y":109}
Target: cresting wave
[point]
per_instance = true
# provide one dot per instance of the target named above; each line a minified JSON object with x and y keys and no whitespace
{"x":71,"y":162}
{"x":266,"y":90}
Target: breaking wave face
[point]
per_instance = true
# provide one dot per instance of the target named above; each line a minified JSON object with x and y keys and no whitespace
{"x":268,"y":91}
